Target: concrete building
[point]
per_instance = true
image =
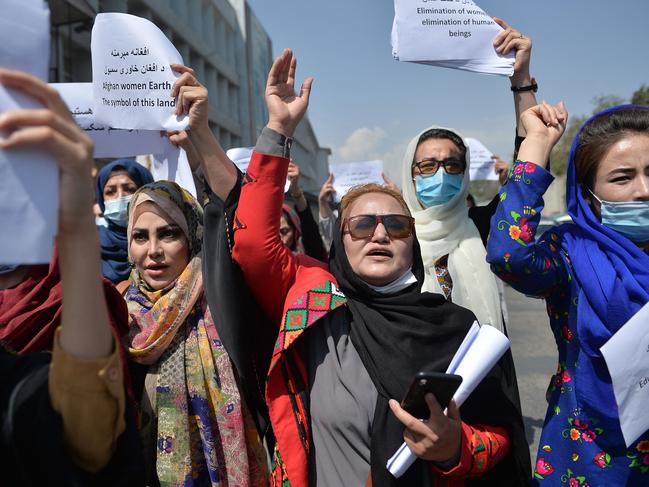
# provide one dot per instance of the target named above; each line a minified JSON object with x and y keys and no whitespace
{"x":222,"y":40}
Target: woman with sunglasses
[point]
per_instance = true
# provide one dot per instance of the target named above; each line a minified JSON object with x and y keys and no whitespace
{"x":435,"y":183}
{"x":351,"y":337}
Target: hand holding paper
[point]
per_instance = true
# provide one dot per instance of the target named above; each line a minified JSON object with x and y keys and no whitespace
{"x":28,"y":176}
{"x":455,"y":34}
{"x":479,"y":352}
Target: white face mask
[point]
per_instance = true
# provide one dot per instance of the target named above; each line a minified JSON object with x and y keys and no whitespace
{"x":116,"y":211}
{"x":628,"y":218}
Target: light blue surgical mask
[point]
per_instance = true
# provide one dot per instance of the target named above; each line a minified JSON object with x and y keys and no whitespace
{"x":439,"y":188}
{"x":628,"y":218}
{"x":116,"y":211}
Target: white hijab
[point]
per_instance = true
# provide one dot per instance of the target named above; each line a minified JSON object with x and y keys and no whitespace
{"x":447,"y":229}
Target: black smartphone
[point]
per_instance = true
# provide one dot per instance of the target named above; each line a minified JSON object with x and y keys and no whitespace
{"x":442,"y":386}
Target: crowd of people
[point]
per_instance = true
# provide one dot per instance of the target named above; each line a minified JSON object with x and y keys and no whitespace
{"x":232,"y":339}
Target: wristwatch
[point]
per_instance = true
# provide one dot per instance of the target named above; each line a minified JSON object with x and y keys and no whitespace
{"x":533,"y":87}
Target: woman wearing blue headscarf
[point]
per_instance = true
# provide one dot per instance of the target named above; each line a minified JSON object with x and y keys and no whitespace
{"x":594,"y":275}
{"x":116,"y":183}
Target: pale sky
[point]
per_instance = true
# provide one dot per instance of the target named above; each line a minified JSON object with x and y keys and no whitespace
{"x":365,"y":105}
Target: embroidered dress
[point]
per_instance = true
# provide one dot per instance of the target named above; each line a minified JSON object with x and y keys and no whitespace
{"x":577,"y":447}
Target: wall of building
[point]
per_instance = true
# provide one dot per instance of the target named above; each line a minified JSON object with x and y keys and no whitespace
{"x":222,"y":40}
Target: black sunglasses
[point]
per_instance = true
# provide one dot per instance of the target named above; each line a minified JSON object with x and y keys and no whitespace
{"x":364,"y":226}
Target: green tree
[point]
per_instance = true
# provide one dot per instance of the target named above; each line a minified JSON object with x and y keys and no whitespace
{"x":641,"y":96}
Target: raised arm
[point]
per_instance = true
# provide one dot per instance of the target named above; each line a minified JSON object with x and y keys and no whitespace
{"x":192,"y":98}
{"x":268,"y":265}
{"x":534,"y":268}
{"x":513,"y":40}
{"x":85,"y":378}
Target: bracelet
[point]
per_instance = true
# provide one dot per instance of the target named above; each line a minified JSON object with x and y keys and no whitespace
{"x":534,"y":87}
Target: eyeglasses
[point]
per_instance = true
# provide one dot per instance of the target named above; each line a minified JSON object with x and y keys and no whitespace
{"x":428,"y":167}
{"x":364,"y":226}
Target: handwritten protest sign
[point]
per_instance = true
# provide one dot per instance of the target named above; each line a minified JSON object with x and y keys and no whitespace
{"x":448,"y":33}
{"x":482,"y":162}
{"x":28,"y":177}
{"x":109,"y":142}
{"x":627,"y":357}
{"x":131,"y":74}
{"x":348,"y":175}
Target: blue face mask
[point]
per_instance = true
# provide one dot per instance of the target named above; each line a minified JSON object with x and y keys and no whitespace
{"x":439,"y":188}
{"x":628,"y":218}
{"x":116,"y":211}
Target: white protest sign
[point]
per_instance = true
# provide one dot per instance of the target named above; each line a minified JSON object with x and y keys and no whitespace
{"x":109,"y":142}
{"x":241,"y":157}
{"x":29,"y":178}
{"x":131,"y":74}
{"x":482,"y":161}
{"x":448,"y":33}
{"x":627,"y":357}
{"x":171,"y":164}
{"x":350,"y":174}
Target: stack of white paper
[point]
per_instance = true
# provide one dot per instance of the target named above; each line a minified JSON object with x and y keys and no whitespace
{"x":28,"y":177}
{"x":481,"y":349}
{"x":241,"y":157}
{"x":350,"y":174}
{"x":452,"y":34}
{"x":483,"y":164}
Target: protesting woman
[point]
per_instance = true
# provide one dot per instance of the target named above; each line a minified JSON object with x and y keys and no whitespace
{"x":63,"y":414}
{"x":116,"y":183}
{"x":435,"y":183}
{"x":196,"y":427}
{"x":593,"y":274}
{"x":351,"y":338}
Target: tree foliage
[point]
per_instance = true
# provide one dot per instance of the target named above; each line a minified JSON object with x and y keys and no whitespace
{"x":641,"y":96}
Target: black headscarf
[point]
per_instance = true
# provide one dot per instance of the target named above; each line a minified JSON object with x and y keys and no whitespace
{"x":398,"y":335}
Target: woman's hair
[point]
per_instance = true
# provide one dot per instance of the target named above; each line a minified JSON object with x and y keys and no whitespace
{"x":444,"y":134}
{"x":601,"y":134}
{"x":358,"y":191}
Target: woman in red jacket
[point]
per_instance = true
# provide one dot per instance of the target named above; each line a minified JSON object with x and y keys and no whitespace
{"x":351,"y":338}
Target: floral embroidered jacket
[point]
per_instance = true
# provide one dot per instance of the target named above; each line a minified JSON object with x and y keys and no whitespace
{"x":296,"y":292}
{"x":569,"y":451}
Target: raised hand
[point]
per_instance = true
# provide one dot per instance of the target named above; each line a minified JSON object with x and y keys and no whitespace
{"x":84,"y":320}
{"x":544,"y":124}
{"x":510,"y":39}
{"x":198,"y":141}
{"x":191,"y":97}
{"x":53,"y":129}
{"x":438,"y":439}
{"x":388,"y":183}
{"x":285,"y":108}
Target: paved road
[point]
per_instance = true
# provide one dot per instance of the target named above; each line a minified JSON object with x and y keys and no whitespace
{"x":535,"y":356}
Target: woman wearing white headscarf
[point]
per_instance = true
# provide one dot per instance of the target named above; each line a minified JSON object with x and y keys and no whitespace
{"x":435,"y":176}
{"x":435,"y":183}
